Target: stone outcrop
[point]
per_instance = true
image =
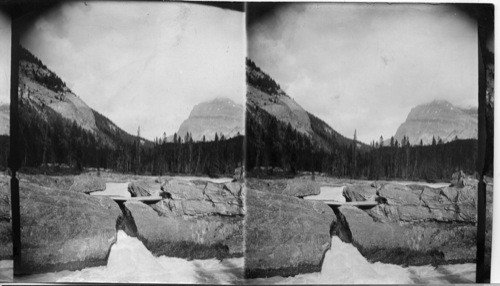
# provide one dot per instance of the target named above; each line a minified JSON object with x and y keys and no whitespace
{"x":417,"y":203}
{"x":187,"y":237}
{"x":290,"y":187}
{"x":285,"y":235}
{"x":64,"y":230}
{"x":5,"y":219}
{"x":143,"y":189}
{"x":406,"y":244}
{"x":414,"y":225}
{"x":185,"y":198}
{"x":358,"y":192}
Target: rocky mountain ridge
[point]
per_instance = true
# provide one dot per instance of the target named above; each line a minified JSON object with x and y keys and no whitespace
{"x":43,"y":91}
{"x":265,"y":98}
{"x":439,"y":119}
{"x":265,"y":93}
{"x":220,"y":115}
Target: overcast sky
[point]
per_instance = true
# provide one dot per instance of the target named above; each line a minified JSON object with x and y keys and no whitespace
{"x":5,"y":38}
{"x":143,"y":64}
{"x":360,"y":66}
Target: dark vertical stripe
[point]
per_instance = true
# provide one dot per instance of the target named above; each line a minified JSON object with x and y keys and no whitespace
{"x":14,"y":158}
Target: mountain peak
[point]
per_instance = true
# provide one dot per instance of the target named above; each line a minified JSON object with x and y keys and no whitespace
{"x":438,"y":119}
{"x":220,"y":115}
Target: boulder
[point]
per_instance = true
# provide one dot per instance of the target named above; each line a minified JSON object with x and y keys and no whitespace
{"x":88,"y":184}
{"x":406,"y":244}
{"x":289,"y":187}
{"x":5,"y":219}
{"x":201,"y":199}
{"x":417,"y":203}
{"x":285,"y":235}
{"x":143,"y":189}
{"x":183,"y":190}
{"x":355,"y":193}
{"x":64,"y":230}
{"x":192,"y":238}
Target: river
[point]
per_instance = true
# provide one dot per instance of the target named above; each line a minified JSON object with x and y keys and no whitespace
{"x":343,"y":264}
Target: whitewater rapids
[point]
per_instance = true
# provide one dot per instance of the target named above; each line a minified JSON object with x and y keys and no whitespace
{"x":130,"y":261}
{"x":344,"y":264}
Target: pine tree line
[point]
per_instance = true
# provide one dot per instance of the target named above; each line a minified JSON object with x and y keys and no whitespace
{"x":271,"y":143}
{"x":62,"y":142}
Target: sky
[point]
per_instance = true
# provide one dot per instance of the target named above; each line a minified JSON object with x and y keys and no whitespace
{"x":143,"y":64}
{"x":364,"y":66}
{"x":5,"y":39}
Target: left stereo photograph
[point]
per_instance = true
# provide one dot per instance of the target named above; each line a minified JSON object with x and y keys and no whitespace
{"x":131,"y":132}
{"x":6,"y":262}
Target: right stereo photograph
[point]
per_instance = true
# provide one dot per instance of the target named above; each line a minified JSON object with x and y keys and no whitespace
{"x":369,"y":143}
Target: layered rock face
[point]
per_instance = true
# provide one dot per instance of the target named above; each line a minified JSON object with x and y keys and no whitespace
{"x":285,"y":235}
{"x":141,"y":189}
{"x":413,"y":225}
{"x":221,"y":116}
{"x":407,"y":244}
{"x":4,"y":119}
{"x":195,"y":220}
{"x":354,"y":193}
{"x":64,"y":229}
{"x":438,"y":119}
{"x":166,"y":233}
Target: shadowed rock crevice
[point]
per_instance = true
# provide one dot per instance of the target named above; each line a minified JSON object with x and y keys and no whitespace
{"x":126,"y":221}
